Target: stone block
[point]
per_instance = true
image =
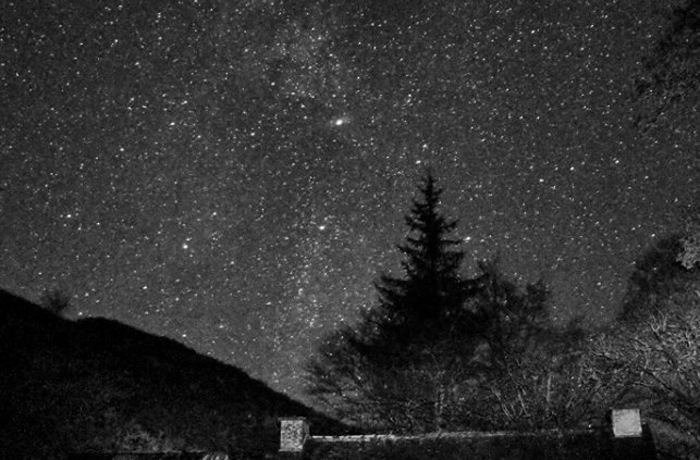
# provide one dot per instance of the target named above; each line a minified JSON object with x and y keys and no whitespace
{"x":294,"y":431}
{"x":626,"y":423}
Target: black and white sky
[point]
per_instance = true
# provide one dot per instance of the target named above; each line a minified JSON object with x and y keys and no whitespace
{"x":234,"y":174}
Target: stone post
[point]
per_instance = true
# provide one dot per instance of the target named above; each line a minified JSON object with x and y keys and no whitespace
{"x":294,"y":431}
{"x":630,"y":439}
{"x":626,"y":423}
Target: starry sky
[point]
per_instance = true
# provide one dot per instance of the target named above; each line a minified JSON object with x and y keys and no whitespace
{"x":234,"y":174}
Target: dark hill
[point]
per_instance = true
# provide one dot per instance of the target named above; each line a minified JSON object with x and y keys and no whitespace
{"x":97,"y":384}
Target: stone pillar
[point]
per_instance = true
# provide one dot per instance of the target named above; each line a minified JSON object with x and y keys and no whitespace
{"x":294,"y":431}
{"x":630,"y":439}
{"x":626,"y":423}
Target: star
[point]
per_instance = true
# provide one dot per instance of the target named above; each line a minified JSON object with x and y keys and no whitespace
{"x":340,"y":121}
{"x":182,"y":167}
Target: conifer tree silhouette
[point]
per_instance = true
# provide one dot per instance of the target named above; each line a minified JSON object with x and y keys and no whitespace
{"x":414,"y":308}
{"x":433,"y":333}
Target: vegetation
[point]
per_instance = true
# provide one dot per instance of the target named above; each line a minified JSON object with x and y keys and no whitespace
{"x":416,"y":317}
{"x":654,"y":343}
{"x":689,"y":257}
{"x":98,"y":385}
{"x":440,"y":351}
{"x":481,"y":353}
{"x":658,"y":275}
{"x":671,"y":75}
{"x":659,"y":354}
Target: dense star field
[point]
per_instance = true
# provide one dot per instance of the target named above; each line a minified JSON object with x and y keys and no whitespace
{"x":234,"y":174}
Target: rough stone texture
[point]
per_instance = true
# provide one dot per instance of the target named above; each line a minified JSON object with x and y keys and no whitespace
{"x":293,"y":434}
{"x":626,"y":423}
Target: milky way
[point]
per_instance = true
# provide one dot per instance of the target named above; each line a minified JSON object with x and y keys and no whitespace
{"x":235,"y":174}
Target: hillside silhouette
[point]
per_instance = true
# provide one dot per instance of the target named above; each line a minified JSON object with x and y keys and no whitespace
{"x":100,"y":385}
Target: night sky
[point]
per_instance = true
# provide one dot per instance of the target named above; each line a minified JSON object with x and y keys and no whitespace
{"x":234,"y":174}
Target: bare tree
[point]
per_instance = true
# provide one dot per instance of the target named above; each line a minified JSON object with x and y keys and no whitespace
{"x":662,"y":355}
{"x":559,"y":381}
{"x":689,"y":257}
{"x":670,"y":79}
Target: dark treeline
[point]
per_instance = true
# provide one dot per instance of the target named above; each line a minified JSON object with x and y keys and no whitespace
{"x":441,"y":351}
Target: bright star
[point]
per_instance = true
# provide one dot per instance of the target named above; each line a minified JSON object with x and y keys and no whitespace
{"x":340,"y":121}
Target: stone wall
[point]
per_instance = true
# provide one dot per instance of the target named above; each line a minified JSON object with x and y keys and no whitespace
{"x":623,"y":438}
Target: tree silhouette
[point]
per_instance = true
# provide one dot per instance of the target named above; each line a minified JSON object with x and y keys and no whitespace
{"x":662,"y":365}
{"x":371,"y":371}
{"x":658,"y":274}
{"x":689,"y":257}
{"x":413,"y":310}
{"x":671,"y":73}
{"x":412,"y":361}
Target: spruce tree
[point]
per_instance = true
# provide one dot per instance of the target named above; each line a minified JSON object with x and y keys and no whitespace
{"x":411,"y":361}
{"x":388,"y":369}
{"x":413,"y":310}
